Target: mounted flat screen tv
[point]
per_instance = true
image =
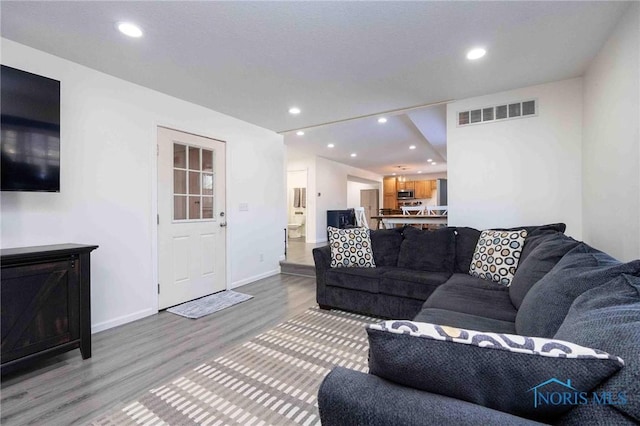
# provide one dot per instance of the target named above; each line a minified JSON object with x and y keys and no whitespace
{"x":30,"y":131}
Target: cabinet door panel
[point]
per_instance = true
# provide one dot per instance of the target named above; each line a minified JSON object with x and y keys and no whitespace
{"x":40,"y":307}
{"x":390,"y":202}
{"x":389,"y":186}
{"x":423,"y":189}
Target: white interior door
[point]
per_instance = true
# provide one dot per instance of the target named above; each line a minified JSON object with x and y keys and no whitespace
{"x":191,"y":217}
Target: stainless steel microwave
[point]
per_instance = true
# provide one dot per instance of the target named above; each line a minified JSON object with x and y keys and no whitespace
{"x":406,"y":195}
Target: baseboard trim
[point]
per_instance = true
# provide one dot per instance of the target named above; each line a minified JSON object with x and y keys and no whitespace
{"x":105,"y":325}
{"x":249,"y":280}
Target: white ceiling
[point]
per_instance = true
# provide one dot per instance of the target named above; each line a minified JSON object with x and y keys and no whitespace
{"x":334,"y":60}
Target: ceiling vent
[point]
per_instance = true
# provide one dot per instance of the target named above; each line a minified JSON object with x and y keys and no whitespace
{"x":498,"y":113}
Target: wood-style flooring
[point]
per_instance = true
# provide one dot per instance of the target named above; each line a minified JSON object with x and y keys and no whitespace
{"x":300,"y":252}
{"x":130,"y":359}
{"x":299,"y":259}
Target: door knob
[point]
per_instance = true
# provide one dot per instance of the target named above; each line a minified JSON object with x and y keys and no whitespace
{"x":223,"y":224}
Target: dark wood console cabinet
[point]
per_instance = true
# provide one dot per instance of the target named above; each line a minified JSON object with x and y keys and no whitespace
{"x":45,"y":302}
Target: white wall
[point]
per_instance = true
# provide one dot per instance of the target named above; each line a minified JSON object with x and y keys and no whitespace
{"x":330,"y":180}
{"x":611,"y":143}
{"x":108,"y":185}
{"x":295,"y":179}
{"x":427,"y":176}
{"x":353,"y":192}
{"x":331,"y":184}
{"x":307,"y":164}
{"x":518,"y":172}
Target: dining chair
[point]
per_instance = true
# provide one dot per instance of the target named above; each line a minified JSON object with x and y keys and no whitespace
{"x":437,"y":210}
{"x":361,"y":217}
{"x":418,"y":210}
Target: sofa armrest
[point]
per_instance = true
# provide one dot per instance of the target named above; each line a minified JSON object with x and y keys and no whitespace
{"x":348,"y":397}
{"x":322,"y":260}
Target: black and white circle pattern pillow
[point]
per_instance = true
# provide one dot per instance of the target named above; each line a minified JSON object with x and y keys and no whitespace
{"x":497,"y":254}
{"x":350,"y":248}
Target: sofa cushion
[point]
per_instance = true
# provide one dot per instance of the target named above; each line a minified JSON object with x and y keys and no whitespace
{"x":465,"y":280}
{"x":386,"y":246}
{"x":466,"y":241}
{"x":536,"y":229}
{"x":432,"y":251}
{"x":461,"y":320}
{"x":409,"y":283}
{"x":350,"y":248}
{"x":608,"y":318}
{"x":499,"y":371}
{"x":352,"y":398}
{"x":547,"y":303}
{"x":363,"y":279}
{"x":497,"y":254}
{"x":491,"y":303}
{"x":540,"y":254}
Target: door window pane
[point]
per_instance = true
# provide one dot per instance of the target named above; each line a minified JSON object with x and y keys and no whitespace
{"x":194,"y":183}
{"x":179,"y":207}
{"x":207,"y":207}
{"x":194,"y":207}
{"x":207,"y":160}
{"x":207,"y":184}
{"x":179,"y":156}
{"x":194,"y":158}
{"x":179,"y":181}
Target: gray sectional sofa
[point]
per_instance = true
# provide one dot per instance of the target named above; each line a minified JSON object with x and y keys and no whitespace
{"x":563,"y":289}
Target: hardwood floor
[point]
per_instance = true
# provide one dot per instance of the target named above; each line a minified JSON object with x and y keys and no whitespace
{"x":130,"y":359}
{"x":300,"y":252}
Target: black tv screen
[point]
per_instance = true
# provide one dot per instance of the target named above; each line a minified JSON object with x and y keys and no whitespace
{"x":30,"y":131}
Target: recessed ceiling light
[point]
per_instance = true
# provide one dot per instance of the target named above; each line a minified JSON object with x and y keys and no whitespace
{"x":300,"y":133}
{"x":330,"y":145}
{"x":434,"y":163}
{"x":419,"y":171}
{"x":294,"y":111}
{"x":382,"y":120}
{"x":393,"y":174}
{"x":354,"y":154}
{"x":476,"y":53}
{"x":429,"y":160}
{"x":412,"y":147}
{"x":129,"y":29}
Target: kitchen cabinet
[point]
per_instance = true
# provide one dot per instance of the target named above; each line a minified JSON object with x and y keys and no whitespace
{"x":406,"y":186}
{"x":389,"y":186}
{"x":390,"y":202}
{"x":423,"y":189}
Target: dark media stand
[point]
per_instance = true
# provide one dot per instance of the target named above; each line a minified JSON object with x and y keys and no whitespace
{"x":45,"y":302}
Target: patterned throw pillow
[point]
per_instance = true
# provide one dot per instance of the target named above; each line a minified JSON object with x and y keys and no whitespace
{"x":505,"y":372}
{"x":350,"y":248}
{"x":497,"y":254}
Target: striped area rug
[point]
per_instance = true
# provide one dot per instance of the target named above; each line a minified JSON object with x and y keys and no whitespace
{"x":272,"y":379}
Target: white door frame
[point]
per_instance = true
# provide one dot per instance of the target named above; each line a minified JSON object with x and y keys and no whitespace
{"x":154,"y":204}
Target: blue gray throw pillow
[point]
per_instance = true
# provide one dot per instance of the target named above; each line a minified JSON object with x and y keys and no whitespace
{"x":540,"y":254}
{"x":546,"y":305}
{"x":505,"y":372}
{"x":608,"y":318}
{"x":385,"y":244}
